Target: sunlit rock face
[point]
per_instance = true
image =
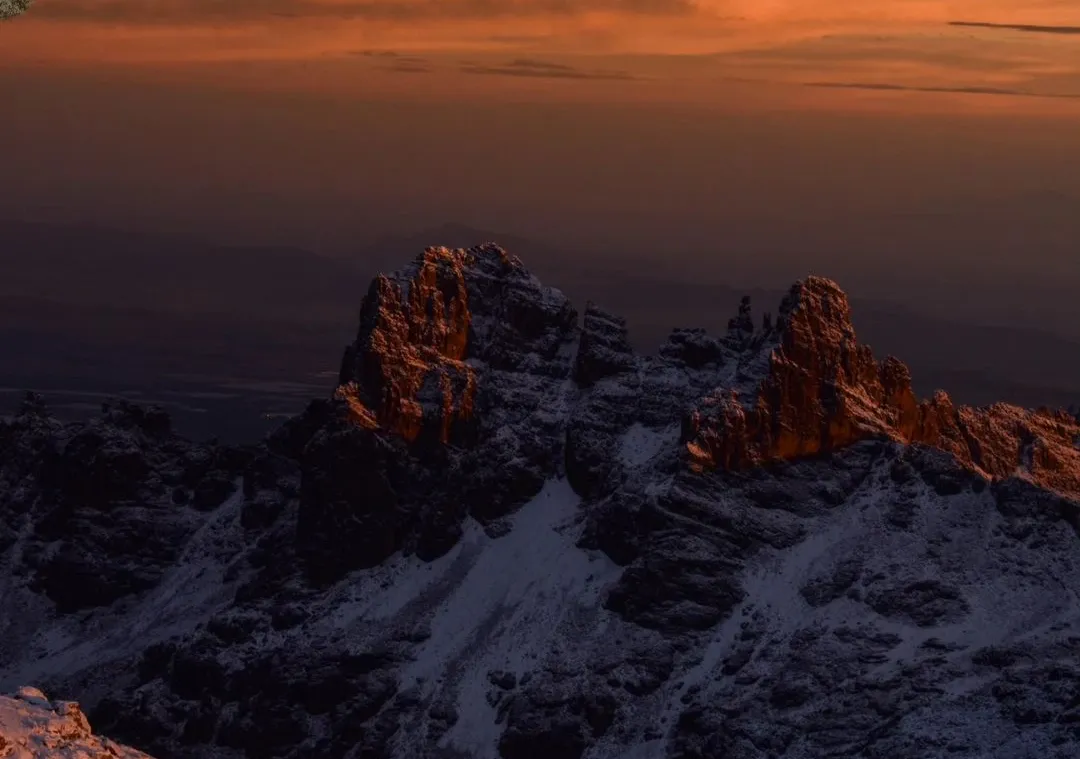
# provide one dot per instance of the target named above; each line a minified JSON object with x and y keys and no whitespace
{"x":801,"y":385}
{"x":427,"y":331}
{"x":822,"y":391}
{"x":408,"y":367}
{"x":506,"y":535}
{"x":33,"y":727}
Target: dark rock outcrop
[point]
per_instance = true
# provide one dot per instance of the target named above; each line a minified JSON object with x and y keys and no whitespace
{"x":98,"y":502}
{"x":604,"y":349}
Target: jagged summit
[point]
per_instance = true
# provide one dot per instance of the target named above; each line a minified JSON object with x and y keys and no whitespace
{"x":507,"y":536}
{"x":425,"y":329}
{"x":824,"y":391}
{"x":801,"y":385}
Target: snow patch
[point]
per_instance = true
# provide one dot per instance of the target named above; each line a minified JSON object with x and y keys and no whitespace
{"x":189,"y":593}
{"x":384,"y":592}
{"x":510,"y":598}
{"x":639,"y":444}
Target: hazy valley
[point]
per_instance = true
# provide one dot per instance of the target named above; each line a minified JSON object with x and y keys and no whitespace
{"x":223,"y":336}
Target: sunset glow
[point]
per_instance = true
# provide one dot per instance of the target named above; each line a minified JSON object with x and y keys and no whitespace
{"x":896,"y":53}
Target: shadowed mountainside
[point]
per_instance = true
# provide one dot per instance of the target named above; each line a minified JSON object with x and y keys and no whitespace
{"x":510,"y":535}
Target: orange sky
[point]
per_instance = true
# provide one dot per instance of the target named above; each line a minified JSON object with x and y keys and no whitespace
{"x":894,"y":54}
{"x":858,"y":138}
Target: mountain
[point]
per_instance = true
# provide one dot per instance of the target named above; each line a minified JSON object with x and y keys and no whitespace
{"x":508,"y":534}
{"x":223,"y":336}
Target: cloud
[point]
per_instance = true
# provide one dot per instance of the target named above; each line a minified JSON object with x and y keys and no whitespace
{"x":969,"y":90}
{"x":1032,"y":28}
{"x":523,"y":67}
{"x":674,"y":49}
{"x":407,"y":64}
{"x":518,"y":39}
{"x":397,"y":63}
{"x":207,"y":11}
{"x":846,"y":50}
{"x":407,"y":67}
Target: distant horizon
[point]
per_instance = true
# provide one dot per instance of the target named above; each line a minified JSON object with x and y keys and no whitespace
{"x":907,"y":290}
{"x":650,"y":153}
{"x":242,"y":364}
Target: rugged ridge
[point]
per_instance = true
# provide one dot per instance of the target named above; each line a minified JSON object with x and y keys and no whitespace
{"x":414,"y":367}
{"x":506,"y":534}
{"x":101,"y":510}
{"x":824,"y":391}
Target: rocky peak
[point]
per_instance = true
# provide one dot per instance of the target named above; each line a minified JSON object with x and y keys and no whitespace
{"x":741,"y":326}
{"x":447,"y":346}
{"x":452,"y":393}
{"x":604,"y":349}
{"x":413,"y":337}
{"x":425,"y":331}
{"x":33,"y":405}
{"x":815,"y":324}
{"x":820,"y":390}
{"x":695,"y":348}
{"x":122,"y":414}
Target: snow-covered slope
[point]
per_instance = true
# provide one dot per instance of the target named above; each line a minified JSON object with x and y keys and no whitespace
{"x":509,"y":536}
